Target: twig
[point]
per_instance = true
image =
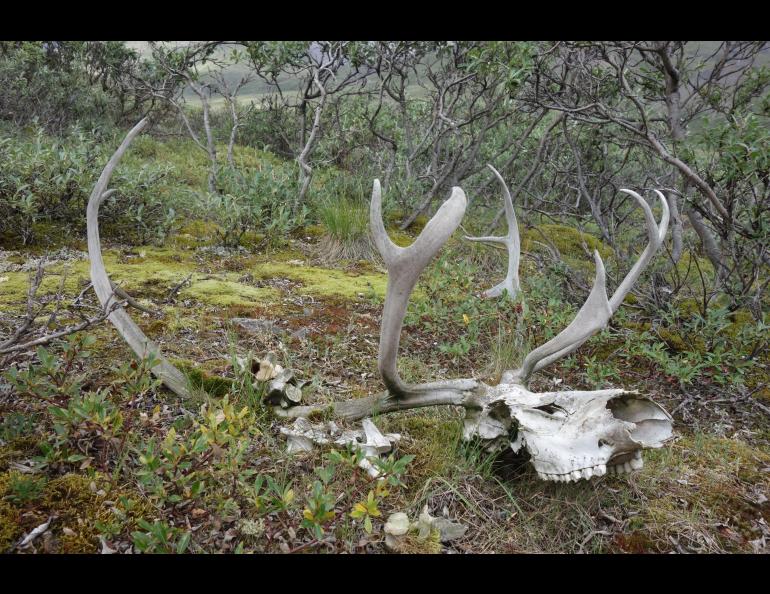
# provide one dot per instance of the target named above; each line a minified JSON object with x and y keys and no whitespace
{"x":172,"y":293}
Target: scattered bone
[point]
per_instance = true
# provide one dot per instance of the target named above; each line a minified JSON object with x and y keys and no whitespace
{"x":397,"y":524}
{"x":35,"y":533}
{"x":398,"y":528}
{"x":303,"y":435}
{"x":268,"y":368}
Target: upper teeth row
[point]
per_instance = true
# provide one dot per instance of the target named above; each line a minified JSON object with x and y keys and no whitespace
{"x":599,"y":470}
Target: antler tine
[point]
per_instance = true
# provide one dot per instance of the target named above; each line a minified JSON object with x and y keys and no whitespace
{"x":131,"y":333}
{"x":656,"y":233}
{"x":512,"y":243}
{"x":592,"y":317}
{"x":404,"y":266}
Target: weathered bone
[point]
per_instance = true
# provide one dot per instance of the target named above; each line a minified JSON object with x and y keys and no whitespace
{"x":404,"y":266}
{"x":591,"y":318}
{"x":511,"y":242}
{"x":126,"y":327}
{"x":303,"y":435}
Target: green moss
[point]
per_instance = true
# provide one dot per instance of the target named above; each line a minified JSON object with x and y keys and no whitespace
{"x":10,"y":528}
{"x":212,"y":384}
{"x":78,"y":502}
{"x":314,"y":231}
{"x":195,"y":234}
{"x":164,"y":266}
{"x":679,"y":343}
{"x":740,"y":319}
{"x":419,"y":224}
{"x":325,"y":281}
{"x":689,"y":307}
{"x":434,"y":438}
{"x":228,"y":292}
{"x":569,"y":241}
{"x":687,"y":268}
{"x":400,"y":238}
{"x":17,"y":448}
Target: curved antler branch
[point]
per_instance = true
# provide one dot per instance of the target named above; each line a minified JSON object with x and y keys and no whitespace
{"x":569,"y":342}
{"x":591,"y":318}
{"x":656,"y":233}
{"x":511,"y":242}
{"x":127,"y":328}
{"x":405,"y":264}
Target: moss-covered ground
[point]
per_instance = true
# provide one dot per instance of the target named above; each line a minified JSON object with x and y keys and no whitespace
{"x":707,"y":491}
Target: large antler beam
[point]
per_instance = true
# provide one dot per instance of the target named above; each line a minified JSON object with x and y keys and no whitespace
{"x":404,"y":265}
{"x":126,"y":327}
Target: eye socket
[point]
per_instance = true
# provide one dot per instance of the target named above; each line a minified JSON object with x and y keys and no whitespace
{"x":552,"y":409}
{"x":603,"y":442}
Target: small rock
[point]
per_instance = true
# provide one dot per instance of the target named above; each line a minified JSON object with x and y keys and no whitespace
{"x":397,"y":524}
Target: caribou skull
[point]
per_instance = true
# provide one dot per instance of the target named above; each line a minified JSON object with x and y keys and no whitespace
{"x":569,"y":435}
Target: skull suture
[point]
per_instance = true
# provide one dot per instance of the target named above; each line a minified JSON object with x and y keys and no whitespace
{"x":570,"y":435}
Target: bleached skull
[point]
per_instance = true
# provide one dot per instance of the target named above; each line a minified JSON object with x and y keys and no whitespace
{"x":572,"y":434}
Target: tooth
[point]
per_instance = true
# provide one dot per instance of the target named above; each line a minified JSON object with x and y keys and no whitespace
{"x":600,"y":470}
{"x":576,"y":475}
{"x":636,"y":463}
{"x":619,"y":469}
{"x":627,"y":466}
{"x":638,"y":454}
{"x":588,"y":473}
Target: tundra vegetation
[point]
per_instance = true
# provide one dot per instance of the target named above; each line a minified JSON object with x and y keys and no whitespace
{"x":236,"y":233}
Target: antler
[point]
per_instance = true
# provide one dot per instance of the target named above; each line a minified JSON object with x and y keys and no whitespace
{"x":131,"y":333}
{"x":597,"y":310}
{"x":404,"y":267}
{"x":512,"y":243}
